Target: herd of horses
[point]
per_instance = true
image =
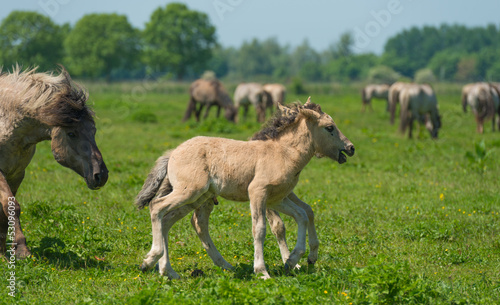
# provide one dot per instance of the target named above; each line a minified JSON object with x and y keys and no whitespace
{"x":208,"y":93}
{"x":419,"y":102}
{"x":264,"y":170}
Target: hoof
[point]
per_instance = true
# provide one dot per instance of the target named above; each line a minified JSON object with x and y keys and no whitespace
{"x":22,"y":252}
{"x":144,"y":267}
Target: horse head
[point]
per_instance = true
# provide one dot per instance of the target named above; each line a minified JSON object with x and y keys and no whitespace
{"x":74,"y":147}
{"x":328,"y":140}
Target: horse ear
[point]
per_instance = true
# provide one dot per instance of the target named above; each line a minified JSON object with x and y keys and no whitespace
{"x":285,"y":111}
{"x":309,"y":114}
{"x":308,"y":101}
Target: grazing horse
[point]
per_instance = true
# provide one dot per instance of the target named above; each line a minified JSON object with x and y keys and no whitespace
{"x":263,"y":171}
{"x":393,"y":97}
{"x":484,"y":100}
{"x":417,"y":103}
{"x":35,"y":107}
{"x":209,"y":93}
{"x":374,"y":91}
{"x":277,"y":92}
{"x":253,"y":93}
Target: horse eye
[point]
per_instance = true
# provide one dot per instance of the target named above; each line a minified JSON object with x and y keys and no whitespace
{"x":329,"y":128}
{"x":71,"y":135}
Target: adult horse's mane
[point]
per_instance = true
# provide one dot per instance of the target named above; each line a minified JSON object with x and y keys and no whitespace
{"x":53,"y":100}
{"x":281,"y":120}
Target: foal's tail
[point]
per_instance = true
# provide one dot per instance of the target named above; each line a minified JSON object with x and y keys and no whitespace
{"x":153,"y":182}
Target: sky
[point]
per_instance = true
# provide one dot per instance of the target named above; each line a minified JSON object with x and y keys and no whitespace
{"x":320,"y":22}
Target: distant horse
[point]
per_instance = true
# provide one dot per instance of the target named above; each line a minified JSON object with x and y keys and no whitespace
{"x":419,"y":102}
{"x":35,"y":107}
{"x":484,"y":100}
{"x":278,"y":93}
{"x":209,"y":93}
{"x":252,"y":93}
{"x":393,"y":97}
{"x":263,"y":171}
{"x":374,"y":91}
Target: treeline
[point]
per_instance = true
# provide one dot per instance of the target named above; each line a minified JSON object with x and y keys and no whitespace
{"x":180,"y":43}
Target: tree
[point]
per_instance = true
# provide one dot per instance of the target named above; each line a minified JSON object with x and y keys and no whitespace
{"x":178,"y":40}
{"x":30,"y":39}
{"x":305,"y":62}
{"x":101,"y":43}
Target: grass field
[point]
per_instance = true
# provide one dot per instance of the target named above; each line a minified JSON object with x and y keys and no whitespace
{"x":402,"y":222}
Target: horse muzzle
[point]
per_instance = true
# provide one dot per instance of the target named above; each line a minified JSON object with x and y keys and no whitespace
{"x":343,"y":153}
{"x":98,"y":178}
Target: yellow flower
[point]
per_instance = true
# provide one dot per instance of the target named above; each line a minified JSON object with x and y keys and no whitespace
{"x":325,"y":292}
{"x":441,"y":196}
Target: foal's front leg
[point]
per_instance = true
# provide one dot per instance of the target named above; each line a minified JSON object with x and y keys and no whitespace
{"x":11,"y":211}
{"x":258,"y":198}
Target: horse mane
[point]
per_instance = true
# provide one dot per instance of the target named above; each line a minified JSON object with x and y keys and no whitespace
{"x":281,"y":120}
{"x":53,"y":100}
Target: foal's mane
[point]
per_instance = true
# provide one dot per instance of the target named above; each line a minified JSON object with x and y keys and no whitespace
{"x":281,"y":120}
{"x":53,"y":100}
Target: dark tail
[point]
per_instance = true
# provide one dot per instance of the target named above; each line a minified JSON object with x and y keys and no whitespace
{"x":153,"y":182}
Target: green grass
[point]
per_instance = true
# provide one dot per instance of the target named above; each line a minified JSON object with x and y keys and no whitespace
{"x":403,"y":221}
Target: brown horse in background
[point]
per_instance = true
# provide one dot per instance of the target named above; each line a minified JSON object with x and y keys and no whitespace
{"x":35,"y":107}
{"x":209,"y":93}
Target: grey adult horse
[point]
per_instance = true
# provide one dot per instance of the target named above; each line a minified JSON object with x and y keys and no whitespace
{"x":484,"y":101}
{"x":419,"y":102}
{"x":247,"y":94}
{"x":374,"y":91}
{"x":35,"y":107}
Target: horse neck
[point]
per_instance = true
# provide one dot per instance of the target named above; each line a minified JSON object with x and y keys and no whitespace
{"x":298,"y":144}
{"x":29,"y":132}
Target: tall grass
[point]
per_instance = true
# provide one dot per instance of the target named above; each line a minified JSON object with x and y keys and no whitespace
{"x":402,"y":222}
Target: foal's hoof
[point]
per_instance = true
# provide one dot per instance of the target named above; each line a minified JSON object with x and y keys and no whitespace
{"x":144,"y":267}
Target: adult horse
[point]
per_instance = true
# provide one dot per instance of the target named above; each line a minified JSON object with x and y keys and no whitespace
{"x":484,"y":101}
{"x":254,"y":94}
{"x":263,"y":171}
{"x":374,"y":91}
{"x":209,"y":93}
{"x":277,"y":92}
{"x":35,"y":107}
{"x":419,"y":102}
{"x":393,"y":97}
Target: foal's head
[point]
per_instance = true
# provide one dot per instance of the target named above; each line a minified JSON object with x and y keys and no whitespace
{"x":328,"y":139}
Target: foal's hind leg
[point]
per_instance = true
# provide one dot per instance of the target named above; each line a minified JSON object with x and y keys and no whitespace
{"x":200,"y":224}
{"x":160,"y":207}
{"x":167,"y":222}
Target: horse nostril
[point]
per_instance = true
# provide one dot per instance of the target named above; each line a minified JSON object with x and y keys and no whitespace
{"x":97,"y":178}
{"x":351,"y":149}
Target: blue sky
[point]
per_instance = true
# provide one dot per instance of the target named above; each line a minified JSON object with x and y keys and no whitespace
{"x":321,"y":22}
